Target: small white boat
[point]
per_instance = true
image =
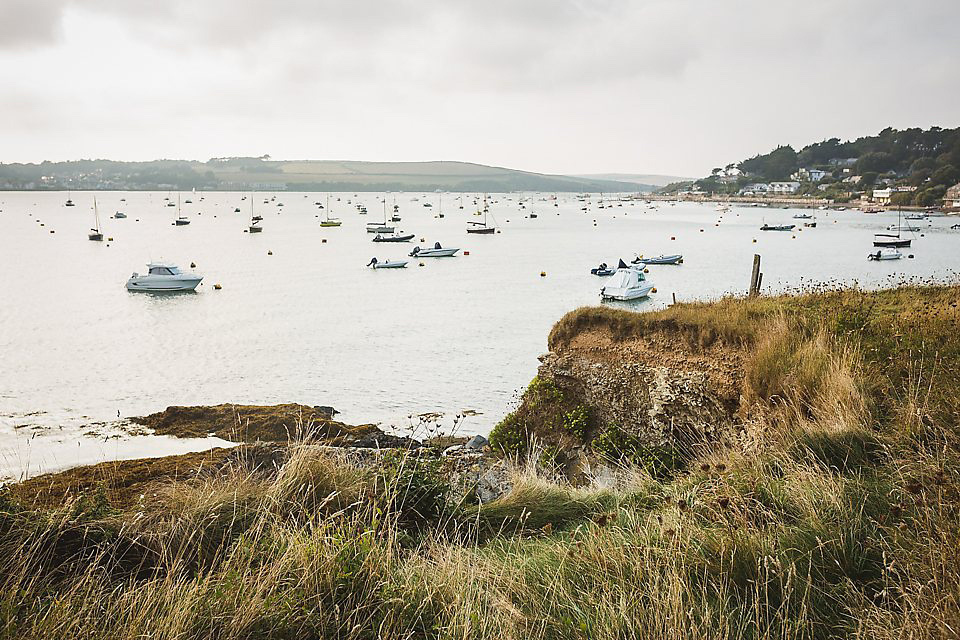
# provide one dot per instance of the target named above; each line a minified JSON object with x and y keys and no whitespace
{"x":904,"y":227}
{"x":387,"y":264}
{"x":885,"y":254}
{"x":626,"y":284}
{"x":163,"y":276}
{"x":379,"y":227}
{"x":119,"y":215}
{"x":436,"y":252}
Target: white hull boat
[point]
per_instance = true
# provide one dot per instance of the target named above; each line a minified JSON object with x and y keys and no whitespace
{"x":163,"y":276}
{"x":885,"y":254}
{"x":436,"y":252}
{"x":626,"y":284}
{"x":387,"y":264}
{"x":379,"y":228}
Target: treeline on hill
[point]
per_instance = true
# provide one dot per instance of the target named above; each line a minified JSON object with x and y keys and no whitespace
{"x":101,"y":174}
{"x":928,"y":162}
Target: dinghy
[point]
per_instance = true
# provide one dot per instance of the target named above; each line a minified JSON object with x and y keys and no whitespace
{"x":387,"y":264}
{"x":393,"y":238}
{"x":674,"y":259}
{"x":604,"y":270}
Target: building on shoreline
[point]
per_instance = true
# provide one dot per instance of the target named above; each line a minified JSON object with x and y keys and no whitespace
{"x":951,"y":200}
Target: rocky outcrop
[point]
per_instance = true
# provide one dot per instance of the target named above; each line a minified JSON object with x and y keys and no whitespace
{"x":269,"y":423}
{"x":599,"y":391}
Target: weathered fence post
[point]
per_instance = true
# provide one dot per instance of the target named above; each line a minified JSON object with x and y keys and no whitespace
{"x":755,"y":276}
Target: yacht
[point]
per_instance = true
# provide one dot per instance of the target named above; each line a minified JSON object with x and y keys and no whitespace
{"x":436,"y":252}
{"x":626,"y":284}
{"x":163,"y":276}
{"x":379,"y":227}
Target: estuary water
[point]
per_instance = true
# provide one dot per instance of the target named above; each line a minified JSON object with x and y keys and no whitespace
{"x":300,"y":318}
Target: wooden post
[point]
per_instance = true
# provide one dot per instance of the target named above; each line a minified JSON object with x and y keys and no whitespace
{"x":755,"y":277}
{"x":674,"y":297}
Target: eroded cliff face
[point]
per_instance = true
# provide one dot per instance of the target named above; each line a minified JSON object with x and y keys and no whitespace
{"x":613,"y":395}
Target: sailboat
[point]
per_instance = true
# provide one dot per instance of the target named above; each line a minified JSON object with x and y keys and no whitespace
{"x":95,"y":234}
{"x":69,"y":202}
{"x":890,"y":240}
{"x":481,"y":227}
{"x":181,"y":220}
{"x":330,"y":222}
{"x":254,"y":220}
{"x":380,"y":227}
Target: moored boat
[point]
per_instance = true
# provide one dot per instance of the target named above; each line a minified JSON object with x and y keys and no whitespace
{"x":393,"y":237}
{"x":885,"y":254}
{"x":626,"y":284}
{"x":387,"y":264}
{"x":163,"y":276}
{"x":436,"y":252}
{"x":777,"y":227}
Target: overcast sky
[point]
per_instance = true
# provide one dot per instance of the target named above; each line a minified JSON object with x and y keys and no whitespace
{"x":558,"y":86}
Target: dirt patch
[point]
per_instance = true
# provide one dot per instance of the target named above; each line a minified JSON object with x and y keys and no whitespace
{"x":250,"y":423}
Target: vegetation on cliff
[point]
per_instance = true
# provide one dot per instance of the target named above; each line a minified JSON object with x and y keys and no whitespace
{"x":925,"y":163}
{"x":836,"y":516}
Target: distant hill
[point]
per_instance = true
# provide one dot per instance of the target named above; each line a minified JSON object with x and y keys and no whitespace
{"x":306,"y":175}
{"x":919,"y":165}
{"x":648,"y":181}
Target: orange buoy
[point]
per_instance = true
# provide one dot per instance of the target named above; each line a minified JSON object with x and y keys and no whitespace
{"x":269,"y":253}
{"x":217,"y":286}
{"x":543,"y":274}
{"x":654,"y":290}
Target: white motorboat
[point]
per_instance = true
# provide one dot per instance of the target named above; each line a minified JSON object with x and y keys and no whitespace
{"x":885,"y":254}
{"x":387,"y":264}
{"x":163,"y":276}
{"x":436,"y":252}
{"x":626,"y":284}
{"x":904,"y":227}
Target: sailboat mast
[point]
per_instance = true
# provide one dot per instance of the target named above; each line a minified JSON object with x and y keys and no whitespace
{"x":96,"y":214}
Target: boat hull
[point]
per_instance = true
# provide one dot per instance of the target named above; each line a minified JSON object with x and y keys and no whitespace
{"x":893,"y":244}
{"x":162,"y":285}
{"x":435,"y":253}
{"x":634,"y":293}
{"x":391,"y":264}
{"x":482,"y":230}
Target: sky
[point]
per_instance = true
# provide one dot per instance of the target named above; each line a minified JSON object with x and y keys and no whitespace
{"x":557,"y":86}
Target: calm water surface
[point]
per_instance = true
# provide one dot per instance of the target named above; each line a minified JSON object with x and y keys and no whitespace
{"x":311,"y":324}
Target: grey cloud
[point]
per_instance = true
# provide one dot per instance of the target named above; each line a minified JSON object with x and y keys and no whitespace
{"x":25,"y":23}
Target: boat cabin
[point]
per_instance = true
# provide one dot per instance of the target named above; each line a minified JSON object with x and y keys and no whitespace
{"x":158,"y":269}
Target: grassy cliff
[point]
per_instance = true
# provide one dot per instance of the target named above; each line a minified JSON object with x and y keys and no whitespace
{"x":829,"y":508}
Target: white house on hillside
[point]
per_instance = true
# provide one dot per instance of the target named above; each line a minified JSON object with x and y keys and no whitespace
{"x":784,"y":187}
{"x":809,"y":175}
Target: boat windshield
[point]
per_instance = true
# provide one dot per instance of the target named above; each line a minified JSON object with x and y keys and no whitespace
{"x":161,"y":271}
